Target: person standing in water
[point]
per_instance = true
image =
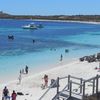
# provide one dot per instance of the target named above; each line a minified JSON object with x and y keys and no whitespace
{"x":61,"y":57}
{"x":26,"y":69}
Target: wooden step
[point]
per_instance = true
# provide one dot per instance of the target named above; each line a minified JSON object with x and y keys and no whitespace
{"x":62,"y":96}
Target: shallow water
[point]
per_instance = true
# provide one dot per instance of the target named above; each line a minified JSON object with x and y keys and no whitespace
{"x":50,"y":42}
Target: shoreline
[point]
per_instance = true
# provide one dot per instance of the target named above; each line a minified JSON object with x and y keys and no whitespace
{"x":44,"y":20}
{"x":40,"y":70}
{"x":86,"y":22}
{"x":35,"y":65}
{"x":25,"y":77}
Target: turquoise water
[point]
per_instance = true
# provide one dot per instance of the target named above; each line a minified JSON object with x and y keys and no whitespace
{"x":51,"y":41}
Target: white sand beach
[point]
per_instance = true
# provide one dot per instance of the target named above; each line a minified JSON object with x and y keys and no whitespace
{"x":31,"y":85}
{"x":86,"y":22}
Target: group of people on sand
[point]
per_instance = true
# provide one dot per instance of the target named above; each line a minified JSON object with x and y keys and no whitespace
{"x":6,"y":96}
{"x":23,"y":71}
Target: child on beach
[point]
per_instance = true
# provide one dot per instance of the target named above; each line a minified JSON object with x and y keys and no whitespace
{"x":14,"y":95}
{"x":45,"y":80}
{"x":5,"y":94}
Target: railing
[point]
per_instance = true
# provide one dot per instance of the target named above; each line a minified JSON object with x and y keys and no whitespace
{"x":94,"y":80}
{"x":69,"y":86}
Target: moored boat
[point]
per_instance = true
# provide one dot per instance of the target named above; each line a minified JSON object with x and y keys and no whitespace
{"x":30,"y":26}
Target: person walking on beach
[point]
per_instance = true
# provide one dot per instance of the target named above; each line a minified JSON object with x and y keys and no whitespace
{"x":45,"y":80}
{"x":14,"y":95}
{"x":26,"y":69}
{"x":5,"y":94}
{"x":20,"y":78}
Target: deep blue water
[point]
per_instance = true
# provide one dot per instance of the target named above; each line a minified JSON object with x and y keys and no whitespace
{"x":50,"y":41}
{"x":53,"y":35}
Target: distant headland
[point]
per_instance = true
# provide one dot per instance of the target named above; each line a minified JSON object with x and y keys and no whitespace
{"x":93,"y":18}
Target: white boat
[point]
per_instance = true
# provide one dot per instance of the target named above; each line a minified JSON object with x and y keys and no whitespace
{"x":30,"y":26}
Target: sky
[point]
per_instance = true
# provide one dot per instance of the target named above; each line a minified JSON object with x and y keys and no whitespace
{"x":51,"y":7}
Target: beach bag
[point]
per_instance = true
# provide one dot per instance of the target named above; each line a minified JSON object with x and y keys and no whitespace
{"x":20,"y":93}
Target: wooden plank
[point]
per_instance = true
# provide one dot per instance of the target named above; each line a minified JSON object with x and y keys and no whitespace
{"x":75,"y":77}
{"x":68,"y":81}
{"x":70,"y":92}
{"x":83,"y":90}
{"x":81,"y":81}
{"x":92,"y":78}
{"x":63,"y":77}
{"x":57,"y":85}
{"x":77,"y":83}
{"x":97,"y":77}
{"x":93,"y":86}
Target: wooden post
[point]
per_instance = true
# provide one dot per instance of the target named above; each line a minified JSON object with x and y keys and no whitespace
{"x":57,"y":85}
{"x":83,"y":90}
{"x":97,"y":84}
{"x":70,"y":88}
{"x":93,"y":86}
{"x":81,"y":80}
{"x":68,"y":81}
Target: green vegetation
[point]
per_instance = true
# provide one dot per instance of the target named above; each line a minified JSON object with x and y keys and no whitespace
{"x":95,"y":18}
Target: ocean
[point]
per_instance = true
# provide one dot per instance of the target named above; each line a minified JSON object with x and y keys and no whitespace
{"x":51,"y":41}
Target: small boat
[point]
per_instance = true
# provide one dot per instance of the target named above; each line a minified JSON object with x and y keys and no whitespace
{"x":30,"y":26}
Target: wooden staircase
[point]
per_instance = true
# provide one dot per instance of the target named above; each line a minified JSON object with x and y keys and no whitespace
{"x":68,"y":92}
